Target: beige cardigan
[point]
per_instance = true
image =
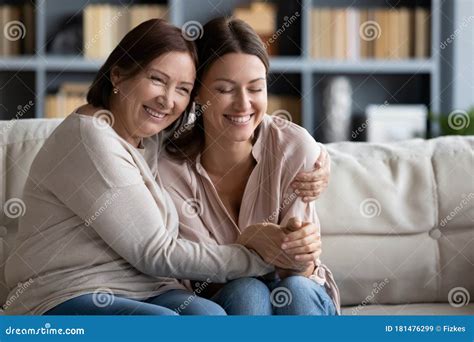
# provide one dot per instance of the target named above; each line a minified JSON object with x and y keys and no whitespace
{"x":281,"y":149}
{"x":97,"y":218}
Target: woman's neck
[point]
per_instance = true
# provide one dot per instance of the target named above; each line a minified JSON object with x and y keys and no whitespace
{"x":122,"y":131}
{"x":117,"y":126}
{"x":121,"y":128}
{"x":220,"y":158}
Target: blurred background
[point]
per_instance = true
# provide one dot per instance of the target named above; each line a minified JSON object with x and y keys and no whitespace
{"x":367,"y":70}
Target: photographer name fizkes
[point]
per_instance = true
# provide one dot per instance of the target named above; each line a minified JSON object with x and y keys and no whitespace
{"x":453,"y":328}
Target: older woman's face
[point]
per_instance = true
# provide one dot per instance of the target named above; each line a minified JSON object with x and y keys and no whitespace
{"x":235,"y":88}
{"x":154,"y":98}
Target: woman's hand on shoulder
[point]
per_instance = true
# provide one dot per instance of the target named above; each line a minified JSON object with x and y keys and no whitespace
{"x":310,"y":185}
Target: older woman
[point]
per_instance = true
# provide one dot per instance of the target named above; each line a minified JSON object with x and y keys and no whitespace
{"x":238,"y":163}
{"x":100,"y":232}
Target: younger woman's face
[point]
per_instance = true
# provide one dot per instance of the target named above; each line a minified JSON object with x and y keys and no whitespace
{"x":234,"y":92}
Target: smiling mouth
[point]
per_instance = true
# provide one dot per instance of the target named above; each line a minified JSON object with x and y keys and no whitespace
{"x":154,"y":113}
{"x":239,"y":120}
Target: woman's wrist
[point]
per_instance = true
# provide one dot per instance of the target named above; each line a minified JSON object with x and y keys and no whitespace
{"x":284,"y":273}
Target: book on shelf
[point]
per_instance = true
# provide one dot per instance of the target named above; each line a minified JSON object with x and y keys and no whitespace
{"x":396,"y":122}
{"x":28,"y":19}
{"x":406,"y":31}
{"x":422,"y":32}
{"x":353,"y":45}
{"x":316,"y":46}
{"x":141,"y":13}
{"x":104,"y":25}
{"x":381,"y":46}
{"x":377,"y":33}
{"x":69,"y":97}
{"x":18,"y":29}
{"x":339,"y":33}
{"x":326,"y":29}
{"x":366,"y":46}
{"x":261,"y":16}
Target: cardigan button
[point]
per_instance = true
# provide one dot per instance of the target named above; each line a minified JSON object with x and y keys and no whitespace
{"x":435,"y":233}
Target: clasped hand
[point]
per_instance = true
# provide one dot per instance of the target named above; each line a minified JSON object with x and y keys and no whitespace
{"x":293,"y":249}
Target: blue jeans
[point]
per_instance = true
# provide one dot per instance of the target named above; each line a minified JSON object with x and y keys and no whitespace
{"x":295,"y":295}
{"x":171,"y":303}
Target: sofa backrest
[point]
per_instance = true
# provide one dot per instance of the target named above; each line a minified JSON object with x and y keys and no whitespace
{"x":397,"y":219}
{"x":20,"y":141}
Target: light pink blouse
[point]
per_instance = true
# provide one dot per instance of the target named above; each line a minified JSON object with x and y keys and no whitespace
{"x":281,"y":149}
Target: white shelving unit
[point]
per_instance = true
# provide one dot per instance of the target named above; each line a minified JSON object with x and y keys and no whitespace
{"x":42,"y":71}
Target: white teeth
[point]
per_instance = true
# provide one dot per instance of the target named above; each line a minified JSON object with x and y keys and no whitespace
{"x":154,"y":113}
{"x":239,"y":119}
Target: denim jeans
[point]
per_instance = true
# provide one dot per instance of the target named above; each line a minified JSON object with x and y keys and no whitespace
{"x":171,"y":303}
{"x":295,"y":295}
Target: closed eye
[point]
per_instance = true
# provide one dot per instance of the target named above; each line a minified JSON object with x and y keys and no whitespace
{"x":157,"y":80}
{"x":225,"y":91}
{"x":185,"y":90}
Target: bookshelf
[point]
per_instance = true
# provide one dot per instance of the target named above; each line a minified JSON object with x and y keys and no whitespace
{"x":26,"y":78}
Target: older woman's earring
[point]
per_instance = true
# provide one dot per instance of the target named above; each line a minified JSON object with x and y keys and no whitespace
{"x":192,"y":114}
{"x":198,"y":109}
{"x":115,"y":90}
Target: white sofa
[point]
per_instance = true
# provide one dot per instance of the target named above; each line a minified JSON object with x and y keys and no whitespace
{"x":397,"y":219}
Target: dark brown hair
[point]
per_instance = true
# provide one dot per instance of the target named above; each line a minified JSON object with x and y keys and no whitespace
{"x":135,"y":51}
{"x":221,"y":36}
